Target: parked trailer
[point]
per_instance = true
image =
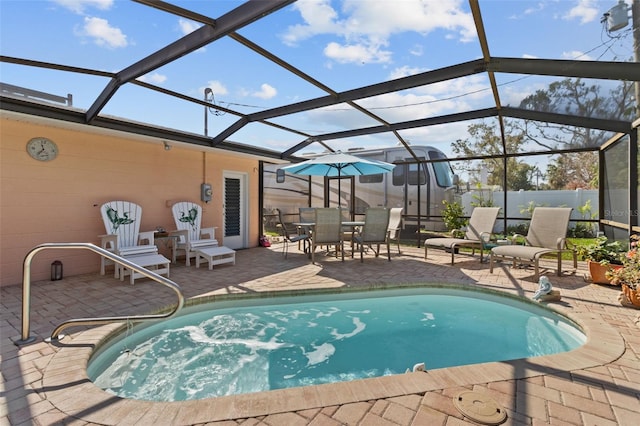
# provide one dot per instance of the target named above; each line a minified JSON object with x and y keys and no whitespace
{"x":419,"y":188}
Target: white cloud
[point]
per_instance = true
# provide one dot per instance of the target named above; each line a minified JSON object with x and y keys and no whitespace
{"x":187,"y":27}
{"x":534,"y":9}
{"x":576,"y":55}
{"x":319,"y":18}
{"x":405,"y":71}
{"x":103,"y":34}
{"x":216,"y":87}
{"x":79,"y":6}
{"x":357,"y":53}
{"x":446,"y":97}
{"x":586,"y":11}
{"x":266,"y":92}
{"x":471,"y":87}
{"x":153,"y":78}
{"x":366,"y":26}
{"x":513,"y":95}
{"x":416,"y":50}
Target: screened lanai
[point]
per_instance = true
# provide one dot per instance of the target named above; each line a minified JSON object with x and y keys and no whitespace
{"x":514,"y":97}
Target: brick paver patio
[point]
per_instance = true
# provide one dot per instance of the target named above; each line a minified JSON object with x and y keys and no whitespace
{"x":45,"y":384}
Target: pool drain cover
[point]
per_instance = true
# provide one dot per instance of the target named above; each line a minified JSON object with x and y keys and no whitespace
{"x":480,"y":408}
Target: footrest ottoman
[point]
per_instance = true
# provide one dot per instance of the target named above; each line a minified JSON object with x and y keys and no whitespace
{"x":215,"y":256}
{"x":154,"y":262}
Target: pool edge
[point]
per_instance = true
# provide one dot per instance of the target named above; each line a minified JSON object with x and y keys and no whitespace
{"x":66,"y":377}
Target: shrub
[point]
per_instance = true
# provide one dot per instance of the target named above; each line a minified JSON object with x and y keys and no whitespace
{"x":602,"y":251}
{"x":452,"y":216}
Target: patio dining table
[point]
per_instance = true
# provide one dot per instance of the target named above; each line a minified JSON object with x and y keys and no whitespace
{"x":354,"y":224}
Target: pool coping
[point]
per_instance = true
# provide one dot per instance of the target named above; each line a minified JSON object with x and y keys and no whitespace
{"x":69,"y":389}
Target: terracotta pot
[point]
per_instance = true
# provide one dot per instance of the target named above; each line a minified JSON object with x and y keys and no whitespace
{"x":598,"y":271}
{"x":632,"y":295}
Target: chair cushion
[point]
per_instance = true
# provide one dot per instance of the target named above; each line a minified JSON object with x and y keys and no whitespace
{"x":449,"y":242}
{"x":521,"y":252}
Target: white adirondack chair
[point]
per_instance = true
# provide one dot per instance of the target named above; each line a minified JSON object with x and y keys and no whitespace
{"x":190,"y":235}
{"x":122,"y":223}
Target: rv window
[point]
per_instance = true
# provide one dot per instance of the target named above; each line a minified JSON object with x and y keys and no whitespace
{"x":398,"y":175}
{"x":416,"y":175}
{"x":442,"y":170}
{"x":377,"y":178}
{"x":413,"y":174}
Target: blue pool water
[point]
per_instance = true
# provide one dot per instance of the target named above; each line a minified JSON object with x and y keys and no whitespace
{"x":262,"y":344}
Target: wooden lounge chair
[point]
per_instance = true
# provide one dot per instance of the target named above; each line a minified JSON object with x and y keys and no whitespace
{"x":190,"y":236}
{"x":122,"y":223}
{"x":375,"y":231}
{"x":478,"y":231}
{"x":547,"y":234}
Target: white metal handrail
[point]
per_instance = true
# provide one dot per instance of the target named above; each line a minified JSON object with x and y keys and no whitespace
{"x":26,"y":291}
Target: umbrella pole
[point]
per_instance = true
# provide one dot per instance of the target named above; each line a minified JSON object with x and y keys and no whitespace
{"x":339,"y":190}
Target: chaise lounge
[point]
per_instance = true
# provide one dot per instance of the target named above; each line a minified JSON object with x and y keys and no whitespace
{"x":478,"y":231}
{"x":547,"y":234}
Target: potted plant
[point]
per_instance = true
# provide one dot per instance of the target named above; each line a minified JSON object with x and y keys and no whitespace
{"x":628,"y":276}
{"x":602,"y":255}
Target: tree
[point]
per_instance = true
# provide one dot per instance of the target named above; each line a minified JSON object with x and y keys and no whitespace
{"x":565,"y":171}
{"x":485,"y":140}
{"x":574,"y":170}
{"x":575,"y":97}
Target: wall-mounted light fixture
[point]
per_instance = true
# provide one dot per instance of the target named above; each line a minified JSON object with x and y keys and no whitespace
{"x":167,"y":147}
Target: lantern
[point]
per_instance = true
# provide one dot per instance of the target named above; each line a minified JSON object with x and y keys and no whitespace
{"x":56,"y":270}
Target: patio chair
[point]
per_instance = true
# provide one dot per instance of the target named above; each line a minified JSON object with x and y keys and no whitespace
{"x":395,"y":224}
{"x":327,"y":231}
{"x":122,"y":223}
{"x":375,"y":231}
{"x":547,"y":234}
{"x":306,"y":215}
{"x":478,"y":231}
{"x":291,"y":234}
{"x":189,"y":236}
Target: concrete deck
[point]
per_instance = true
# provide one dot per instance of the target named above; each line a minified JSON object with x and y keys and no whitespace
{"x":598,"y":384}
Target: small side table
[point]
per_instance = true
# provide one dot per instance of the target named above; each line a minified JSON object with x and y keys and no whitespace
{"x":165,"y":241}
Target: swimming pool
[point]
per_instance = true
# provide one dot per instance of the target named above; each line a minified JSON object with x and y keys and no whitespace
{"x":256,"y":344}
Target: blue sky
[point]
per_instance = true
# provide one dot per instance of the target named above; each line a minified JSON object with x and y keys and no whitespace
{"x":343,"y":44}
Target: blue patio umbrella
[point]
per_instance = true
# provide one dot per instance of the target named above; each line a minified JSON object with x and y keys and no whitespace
{"x":339,"y":164}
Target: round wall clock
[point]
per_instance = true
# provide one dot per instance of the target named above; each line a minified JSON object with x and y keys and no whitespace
{"x":42,"y":149}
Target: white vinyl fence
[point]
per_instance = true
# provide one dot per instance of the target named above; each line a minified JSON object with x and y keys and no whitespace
{"x":521,"y":201}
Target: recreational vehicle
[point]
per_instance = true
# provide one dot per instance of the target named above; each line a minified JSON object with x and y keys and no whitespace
{"x":419,"y":188}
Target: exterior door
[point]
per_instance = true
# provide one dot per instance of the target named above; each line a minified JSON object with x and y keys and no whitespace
{"x":234,"y":210}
